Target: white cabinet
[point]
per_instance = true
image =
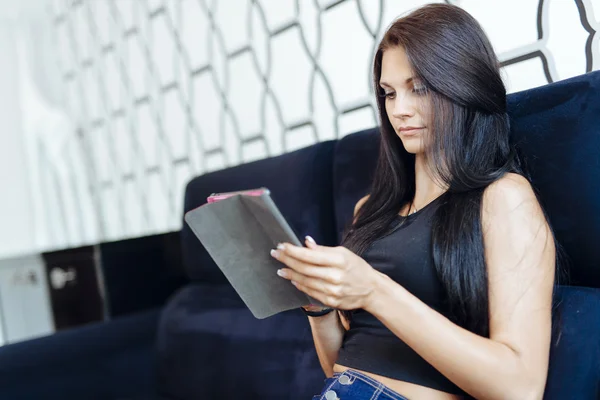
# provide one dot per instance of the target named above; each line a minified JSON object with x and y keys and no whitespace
{"x":25,"y":310}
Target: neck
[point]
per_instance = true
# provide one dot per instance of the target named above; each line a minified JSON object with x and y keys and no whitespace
{"x":426,"y":188}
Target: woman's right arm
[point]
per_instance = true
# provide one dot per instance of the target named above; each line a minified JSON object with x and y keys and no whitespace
{"x":328,"y":334}
{"x":328,"y":330}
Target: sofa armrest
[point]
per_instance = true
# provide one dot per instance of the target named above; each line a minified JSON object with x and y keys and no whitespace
{"x":141,"y":273}
{"x":110,"y":360}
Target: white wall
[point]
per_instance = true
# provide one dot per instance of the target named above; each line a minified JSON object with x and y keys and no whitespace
{"x":40,"y":197}
{"x":16,"y":226}
{"x":131,"y":98}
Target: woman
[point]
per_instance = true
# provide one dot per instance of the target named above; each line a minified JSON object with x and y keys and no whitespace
{"x":444,"y":279}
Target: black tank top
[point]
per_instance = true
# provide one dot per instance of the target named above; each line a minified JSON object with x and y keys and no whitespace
{"x":404,"y":255}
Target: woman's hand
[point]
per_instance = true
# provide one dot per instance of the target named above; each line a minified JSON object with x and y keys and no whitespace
{"x":333,"y":275}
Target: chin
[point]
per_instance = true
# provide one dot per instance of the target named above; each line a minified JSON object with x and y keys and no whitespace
{"x":414,"y":151}
{"x":412,"y":146}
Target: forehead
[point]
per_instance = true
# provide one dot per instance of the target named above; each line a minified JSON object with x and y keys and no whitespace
{"x":395,"y":67}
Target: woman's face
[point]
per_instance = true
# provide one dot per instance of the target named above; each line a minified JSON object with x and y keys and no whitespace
{"x":405,"y":99}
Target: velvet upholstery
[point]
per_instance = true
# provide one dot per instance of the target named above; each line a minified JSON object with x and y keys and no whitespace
{"x":101,"y":361}
{"x":574,"y":371}
{"x":212,"y":347}
{"x":557,"y":128}
{"x":156,"y":258}
{"x":353,"y":171}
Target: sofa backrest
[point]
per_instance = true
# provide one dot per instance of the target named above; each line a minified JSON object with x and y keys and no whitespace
{"x":557,"y":128}
{"x":354,"y":164}
{"x":300,"y":183}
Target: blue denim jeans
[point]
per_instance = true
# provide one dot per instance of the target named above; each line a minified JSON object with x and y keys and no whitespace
{"x":352,"y":385}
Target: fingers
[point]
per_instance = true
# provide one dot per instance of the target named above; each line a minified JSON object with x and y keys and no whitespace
{"x":314,"y":254}
{"x":303,"y":280}
{"x":302,"y":268}
{"x":326,"y":288}
{"x":315,"y":288}
{"x":323,"y":297}
{"x":310,"y":269}
{"x":310,"y":242}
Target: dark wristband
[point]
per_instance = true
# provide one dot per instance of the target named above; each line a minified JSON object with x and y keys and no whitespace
{"x":319,"y":313}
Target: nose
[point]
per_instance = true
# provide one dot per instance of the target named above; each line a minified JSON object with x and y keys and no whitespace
{"x":403,"y":108}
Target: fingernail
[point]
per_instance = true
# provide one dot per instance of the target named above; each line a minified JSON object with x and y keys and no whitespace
{"x":294,"y":283}
{"x":310,"y":239}
{"x":281,"y":273}
{"x":280,"y":246}
{"x":274,"y":253}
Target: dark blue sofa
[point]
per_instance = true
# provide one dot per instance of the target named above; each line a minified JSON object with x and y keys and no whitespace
{"x":210,"y":346}
{"x":204,"y":343}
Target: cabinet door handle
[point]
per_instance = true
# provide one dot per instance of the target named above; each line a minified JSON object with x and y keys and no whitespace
{"x":59,"y":277}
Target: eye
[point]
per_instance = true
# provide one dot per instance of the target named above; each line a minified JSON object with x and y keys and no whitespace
{"x":388,"y":95}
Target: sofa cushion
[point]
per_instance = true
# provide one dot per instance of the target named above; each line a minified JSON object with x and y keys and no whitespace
{"x":114,"y":360}
{"x":300,"y":184}
{"x":557,"y":128}
{"x":575,"y":354}
{"x":211,"y":347}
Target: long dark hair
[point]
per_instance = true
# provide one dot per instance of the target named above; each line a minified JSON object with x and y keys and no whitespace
{"x":467,"y":149}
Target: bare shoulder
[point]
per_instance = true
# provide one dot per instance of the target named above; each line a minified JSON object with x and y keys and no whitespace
{"x":360,"y":203}
{"x":510,"y":185}
{"x":511,"y":193}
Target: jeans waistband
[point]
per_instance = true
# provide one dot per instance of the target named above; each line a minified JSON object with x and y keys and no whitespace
{"x":353,"y":375}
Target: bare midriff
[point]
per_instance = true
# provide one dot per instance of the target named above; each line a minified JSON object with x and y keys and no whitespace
{"x":406,"y":389}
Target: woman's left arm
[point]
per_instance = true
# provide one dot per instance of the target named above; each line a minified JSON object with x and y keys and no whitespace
{"x":519,"y":249}
{"x":520,"y":257}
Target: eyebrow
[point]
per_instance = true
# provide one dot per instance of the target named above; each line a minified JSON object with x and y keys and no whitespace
{"x":408,"y":80}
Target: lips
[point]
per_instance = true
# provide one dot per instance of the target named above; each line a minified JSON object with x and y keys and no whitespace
{"x":410,"y":130}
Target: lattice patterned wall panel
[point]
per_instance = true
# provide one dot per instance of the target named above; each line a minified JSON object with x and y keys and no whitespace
{"x":160,"y":91}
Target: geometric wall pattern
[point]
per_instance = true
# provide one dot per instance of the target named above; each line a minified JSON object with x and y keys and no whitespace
{"x":159,"y":91}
